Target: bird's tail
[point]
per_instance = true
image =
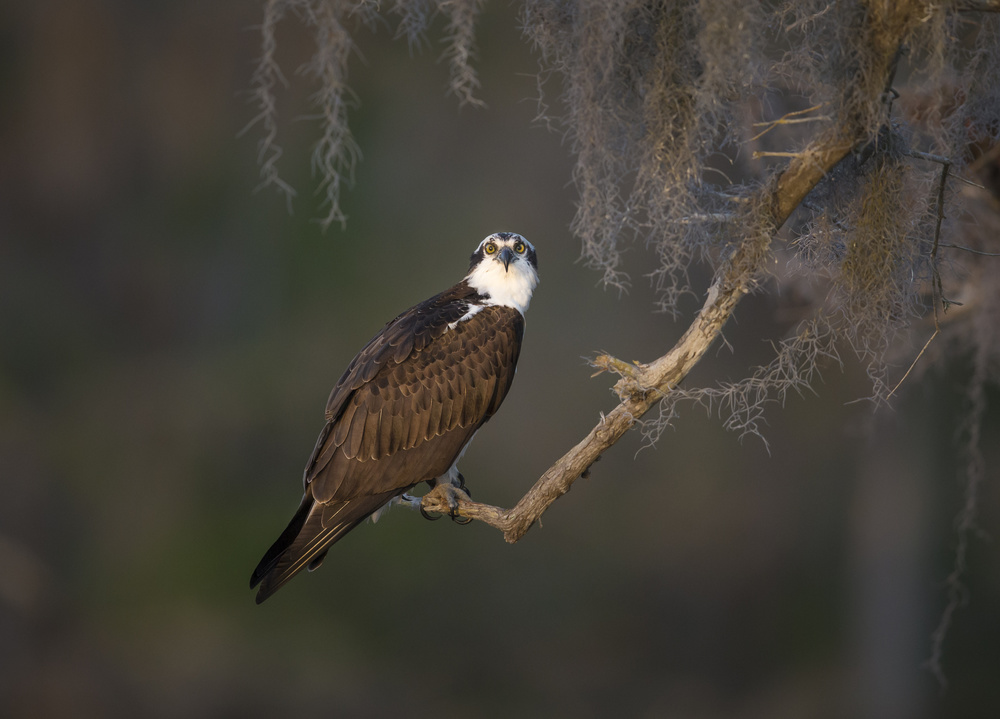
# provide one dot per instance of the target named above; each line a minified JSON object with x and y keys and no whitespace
{"x":308,"y":537}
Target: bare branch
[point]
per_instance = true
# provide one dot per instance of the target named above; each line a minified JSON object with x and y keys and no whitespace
{"x":789,"y":118}
{"x":643,"y":386}
{"x":765,"y":153}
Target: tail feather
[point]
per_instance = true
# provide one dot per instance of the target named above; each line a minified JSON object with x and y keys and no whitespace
{"x":308,"y":537}
{"x":283,"y":542}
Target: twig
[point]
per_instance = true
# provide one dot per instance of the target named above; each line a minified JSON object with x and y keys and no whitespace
{"x":937,"y":291}
{"x":929,"y":157}
{"x":607,"y":363}
{"x":971,"y":183}
{"x":943,"y":161}
{"x":707,"y":217}
{"x":969,"y":249}
{"x":937,"y":331}
{"x":762,"y":153}
{"x":789,"y":118}
{"x":938,"y":287}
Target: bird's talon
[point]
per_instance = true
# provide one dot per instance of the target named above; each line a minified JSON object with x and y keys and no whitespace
{"x":428,"y":516}
{"x":453,"y":503}
{"x":462,"y":485}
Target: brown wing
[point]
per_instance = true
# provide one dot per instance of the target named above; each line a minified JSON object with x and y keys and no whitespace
{"x":401,"y":414}
{"x":411,"y":419}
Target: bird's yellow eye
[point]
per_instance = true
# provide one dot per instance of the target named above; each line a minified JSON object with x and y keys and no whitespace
{"x":519,"y":248}
{"x":490,"y":248}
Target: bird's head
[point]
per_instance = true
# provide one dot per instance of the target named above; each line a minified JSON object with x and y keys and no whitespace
{"x":504,"y":269}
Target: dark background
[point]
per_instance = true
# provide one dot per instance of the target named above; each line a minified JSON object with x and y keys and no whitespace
{"x":168,"y":338}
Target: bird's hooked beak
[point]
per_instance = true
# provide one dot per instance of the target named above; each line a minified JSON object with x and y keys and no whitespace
{"x":506,"y":255}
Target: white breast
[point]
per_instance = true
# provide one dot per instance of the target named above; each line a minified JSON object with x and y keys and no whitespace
{"x":509,"y":288}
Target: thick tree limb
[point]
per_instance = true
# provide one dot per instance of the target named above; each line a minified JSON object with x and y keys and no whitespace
{"x":643,"y":385}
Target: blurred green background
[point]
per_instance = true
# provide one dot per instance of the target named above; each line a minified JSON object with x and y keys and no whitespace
{"x":168,"y":338}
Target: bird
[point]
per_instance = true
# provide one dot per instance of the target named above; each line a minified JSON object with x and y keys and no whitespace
{"x":407,"y":406}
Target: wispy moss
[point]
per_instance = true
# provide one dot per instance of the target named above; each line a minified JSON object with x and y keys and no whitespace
{"x":335,"y":152}
{"x":650,"y":90}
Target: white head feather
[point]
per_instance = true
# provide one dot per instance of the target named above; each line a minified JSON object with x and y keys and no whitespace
{"x":509,"y":286}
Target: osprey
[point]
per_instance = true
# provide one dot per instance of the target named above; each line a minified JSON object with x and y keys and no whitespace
{"x":407,"y":406}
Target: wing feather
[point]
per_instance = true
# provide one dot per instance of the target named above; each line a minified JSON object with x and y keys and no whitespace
{"x":352,"y":443}
{"x":403,"y":350}
{"x":343,"y":425}
{"x":384,"y":437}
{"x":369,"y":445}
